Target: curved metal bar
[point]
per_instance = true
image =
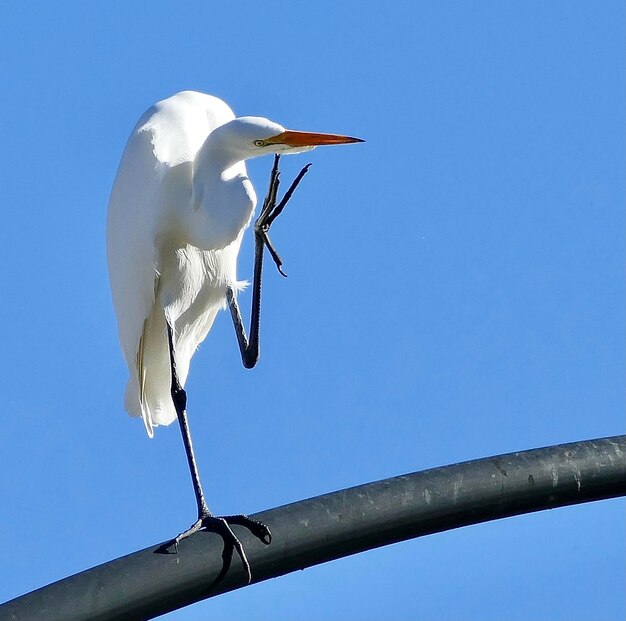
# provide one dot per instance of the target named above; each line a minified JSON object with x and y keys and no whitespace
{"x":153,"y":581}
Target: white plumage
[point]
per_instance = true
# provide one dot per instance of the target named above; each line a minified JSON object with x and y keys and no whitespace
{"x":177,"y":213}
{"x":153,"y":272}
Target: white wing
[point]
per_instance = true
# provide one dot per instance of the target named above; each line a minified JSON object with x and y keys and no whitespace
{"x":156,"y":172}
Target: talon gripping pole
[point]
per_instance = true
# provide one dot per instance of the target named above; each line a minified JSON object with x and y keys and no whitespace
{"x":146,"y":584}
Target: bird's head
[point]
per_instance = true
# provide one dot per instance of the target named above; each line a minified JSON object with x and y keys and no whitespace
{"x":255,"y":136}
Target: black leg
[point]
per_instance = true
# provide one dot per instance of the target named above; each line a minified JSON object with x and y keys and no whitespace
{"x":249,"y":347}
{"x":206,"y":520}
{"x":179,"y":397}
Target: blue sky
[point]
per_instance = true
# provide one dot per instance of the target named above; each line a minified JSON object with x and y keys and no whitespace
{"x":455,"y":290}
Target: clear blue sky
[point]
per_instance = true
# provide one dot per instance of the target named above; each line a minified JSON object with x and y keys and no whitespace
{"x":455,"y":290}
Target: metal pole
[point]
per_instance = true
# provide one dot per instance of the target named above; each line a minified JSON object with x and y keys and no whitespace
{"x":149,"y":583}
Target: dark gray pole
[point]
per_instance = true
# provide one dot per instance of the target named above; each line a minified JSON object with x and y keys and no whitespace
{"x":148,"y":583}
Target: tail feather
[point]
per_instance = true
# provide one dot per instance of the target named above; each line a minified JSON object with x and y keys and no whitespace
{"x":148,"y":393}
{"x":135,"y":407}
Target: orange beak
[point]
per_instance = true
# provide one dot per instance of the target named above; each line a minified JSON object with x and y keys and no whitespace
{"x":309,"y":139}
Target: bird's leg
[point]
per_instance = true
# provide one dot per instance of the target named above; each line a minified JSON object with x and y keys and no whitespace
{"x":249,"y":347}
{"x":206,"y":520}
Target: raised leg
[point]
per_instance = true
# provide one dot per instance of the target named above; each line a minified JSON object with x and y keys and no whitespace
{"x":249,"y":347}
{"x":206,"y":520}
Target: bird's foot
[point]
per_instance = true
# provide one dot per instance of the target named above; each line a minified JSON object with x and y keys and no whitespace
{"x":272,"y":209}
{"x":222,"y":526}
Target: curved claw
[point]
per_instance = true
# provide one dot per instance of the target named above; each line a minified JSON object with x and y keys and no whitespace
{"x":258,"y":529}
{"x":229,"y":537}
{"x":221,"y":526}
{"x":271,"y":210}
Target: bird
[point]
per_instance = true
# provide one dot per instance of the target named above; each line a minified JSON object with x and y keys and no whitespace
{"x":180,"y":204}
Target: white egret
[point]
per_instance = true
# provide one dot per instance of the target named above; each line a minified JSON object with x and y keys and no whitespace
{"x":180,"y":204}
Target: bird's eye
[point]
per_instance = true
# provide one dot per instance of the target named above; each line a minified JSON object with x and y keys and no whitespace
{"x":259,"y":143}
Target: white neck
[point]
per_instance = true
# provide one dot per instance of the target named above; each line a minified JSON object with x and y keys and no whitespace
{"x":222,"y":197}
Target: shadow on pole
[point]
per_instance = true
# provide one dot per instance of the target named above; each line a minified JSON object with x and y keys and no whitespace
{"x":149,"y":583}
